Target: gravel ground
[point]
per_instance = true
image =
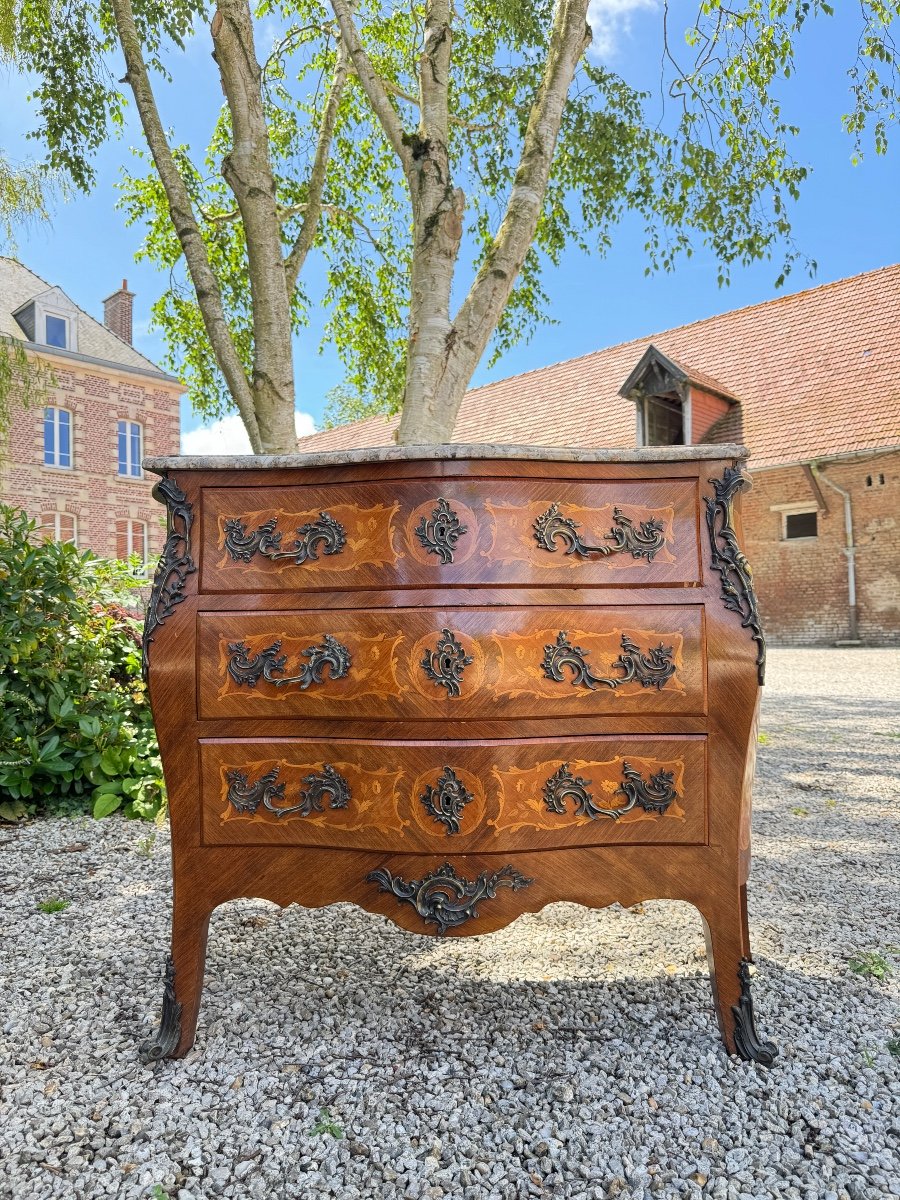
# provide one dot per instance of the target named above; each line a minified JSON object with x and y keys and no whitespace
{"x":574,"y":1054}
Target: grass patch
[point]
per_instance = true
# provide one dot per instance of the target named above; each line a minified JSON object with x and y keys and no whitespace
{"x":763,"y":739}
{"x":799,"y":811}
{"x":325,"y":1124}
{"x":870,"y":964}
{"x":53,"y":905}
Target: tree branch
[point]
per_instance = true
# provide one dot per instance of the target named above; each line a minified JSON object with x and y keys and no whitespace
{"x":305,"y":238}
{"x":481,"y":309}
{"x":247,"y":169}
{"x":209,"y":296}
{"x":372,"y":83}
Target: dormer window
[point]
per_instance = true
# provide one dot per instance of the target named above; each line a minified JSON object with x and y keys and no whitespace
{"x":57,"y":331}
{"x":675,"y":405}
{"x":663,"y":421}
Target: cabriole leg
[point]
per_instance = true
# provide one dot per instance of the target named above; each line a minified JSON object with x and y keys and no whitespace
{"x":182,"y":988}
{"x":728,"y":955}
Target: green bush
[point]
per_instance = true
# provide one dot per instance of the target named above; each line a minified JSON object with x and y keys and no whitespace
{"x":75,"y":726}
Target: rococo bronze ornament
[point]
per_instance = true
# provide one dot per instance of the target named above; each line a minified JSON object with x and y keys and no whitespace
{"x":443,"y":897}
{"x":653,"y":669}
{"x":175,"y":563}
{"x":445,"y":664}
{"x":168,"y":1034}
{"x":446,"y":799}
{"x":268,"y":663}
{"x":644,"y":541}
{"x":440,"y":532}
{"x":653,"y":796}
{"x":728,"y":559}
{"x":246,"y":798}
{"x":747,"y":1041}
{"x":325,"y":534}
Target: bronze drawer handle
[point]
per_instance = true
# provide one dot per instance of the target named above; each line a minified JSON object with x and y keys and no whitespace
{"x":653,"y":795}
{"x":246,"y":797}
{"x":650,"y":670}
{"x":443,"y":897}
{"x":440,"y":532}
{"x":326,"y":534}
{"x":268,"y":663}
{"x":643,"y":542}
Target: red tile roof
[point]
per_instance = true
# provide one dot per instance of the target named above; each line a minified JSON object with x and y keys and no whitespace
{"x":817,"y":374}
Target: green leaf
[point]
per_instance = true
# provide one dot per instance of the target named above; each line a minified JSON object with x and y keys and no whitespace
{"x":104,"y":805}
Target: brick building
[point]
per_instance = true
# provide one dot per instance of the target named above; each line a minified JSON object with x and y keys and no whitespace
{"x":74,"y":463}
{"x":810,"y":383}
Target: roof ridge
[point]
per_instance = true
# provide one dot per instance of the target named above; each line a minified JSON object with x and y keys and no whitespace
{"x":730,"y":312}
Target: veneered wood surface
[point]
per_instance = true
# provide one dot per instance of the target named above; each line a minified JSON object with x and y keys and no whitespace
{"x":710,"y":872}
{"x":498,"y":545}
{"x":506,"y":780}
{"x":507,"y":645}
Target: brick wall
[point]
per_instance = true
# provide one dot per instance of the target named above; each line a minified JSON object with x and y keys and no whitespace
{"x":92,"y":490}
{"x":802,"y":584}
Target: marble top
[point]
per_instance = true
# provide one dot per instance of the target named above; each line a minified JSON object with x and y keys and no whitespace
{"x":449,"y":450}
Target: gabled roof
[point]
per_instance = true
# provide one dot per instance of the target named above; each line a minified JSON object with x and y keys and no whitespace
{"x":656,"y":373}
{"x":816,"y":374}
{"x":19,"y":287}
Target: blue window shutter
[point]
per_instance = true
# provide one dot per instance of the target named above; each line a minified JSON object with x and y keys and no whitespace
{"x":123,"y":449}
{"x":135,"y":448}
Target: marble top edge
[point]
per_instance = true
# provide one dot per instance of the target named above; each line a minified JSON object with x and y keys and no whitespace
{"x":449,"y":451}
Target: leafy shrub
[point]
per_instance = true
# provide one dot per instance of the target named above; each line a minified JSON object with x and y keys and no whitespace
{"x":75,"y":726}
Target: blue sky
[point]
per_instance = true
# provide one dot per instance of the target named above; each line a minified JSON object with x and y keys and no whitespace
{"x":846,"y":218}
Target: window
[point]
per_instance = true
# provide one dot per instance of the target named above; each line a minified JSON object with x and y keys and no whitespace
{"x":58,"y":527}
{"x":801,"y":525}
{"x":131,"y":538}
{"x":875,"y":480}
{"x":663,"y":422}
{"x":57,"y":437}
{"x":130,"y":449}
{"x":57,"y":331}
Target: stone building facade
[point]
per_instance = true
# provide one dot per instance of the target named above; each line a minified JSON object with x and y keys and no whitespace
{"x":73,"y":462}
{"x":810,"y":383}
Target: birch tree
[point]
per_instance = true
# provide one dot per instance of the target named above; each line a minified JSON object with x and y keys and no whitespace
{"x":435,"y":159}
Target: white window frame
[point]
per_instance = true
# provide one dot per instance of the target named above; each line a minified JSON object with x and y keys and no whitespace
{"x":66,"y":318}
{"x":643,"y":423}
{"x":56,"y":465}
{"x":129,"y":474}
{"x":57,"y":533}
{"x":796,"y":510}
{"x":132,"y":521}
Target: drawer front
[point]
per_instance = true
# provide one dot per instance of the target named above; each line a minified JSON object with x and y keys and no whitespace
{"x":405,"y":533}
{"x":435,"y":664}
{"x":447,"y":798}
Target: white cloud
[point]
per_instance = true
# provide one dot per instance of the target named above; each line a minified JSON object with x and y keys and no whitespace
{"x":229,"y":436}
{"x":610,"y":21}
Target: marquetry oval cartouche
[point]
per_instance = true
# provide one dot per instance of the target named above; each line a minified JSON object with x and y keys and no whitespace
{"x":454,"y":685}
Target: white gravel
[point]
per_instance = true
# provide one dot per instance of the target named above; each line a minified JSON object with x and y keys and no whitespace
{"x":574,"y":1054}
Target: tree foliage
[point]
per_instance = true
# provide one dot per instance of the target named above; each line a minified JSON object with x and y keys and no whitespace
{"x":363,"y":106}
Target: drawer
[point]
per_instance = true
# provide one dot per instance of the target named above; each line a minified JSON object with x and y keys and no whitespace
{"x":415,"y":533}
{"x":454,"y":797}
{"x":465,"y":664}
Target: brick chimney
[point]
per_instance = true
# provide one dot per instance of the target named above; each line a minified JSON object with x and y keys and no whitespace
{"x":117,"y":312}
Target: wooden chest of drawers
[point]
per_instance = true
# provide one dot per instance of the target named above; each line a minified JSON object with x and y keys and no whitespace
{"x":455,"y":684}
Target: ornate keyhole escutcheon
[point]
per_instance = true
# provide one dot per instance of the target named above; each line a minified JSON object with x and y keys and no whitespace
{"x":440,"y":532}
{"x":653,"y":669}
{"x":446,"y":799}
{"x":552,"y":530}
{"x":325,"y":534}
{"x":443,"y":897}
{"x":445,"y":664}
{"x":248,"y":669}
{"x":328,"y":783}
